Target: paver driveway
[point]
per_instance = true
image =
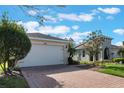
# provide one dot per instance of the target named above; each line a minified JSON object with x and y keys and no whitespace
{"x":69,"y":77}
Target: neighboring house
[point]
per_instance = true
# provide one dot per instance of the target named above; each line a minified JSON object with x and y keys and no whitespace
{"x":108,"y":51}
{"x":45,"y":50}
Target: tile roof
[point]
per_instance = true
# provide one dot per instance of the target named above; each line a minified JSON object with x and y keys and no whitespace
{"x":85,"y":42}
{"x":114,"y":46}
{"x":39,"y":35}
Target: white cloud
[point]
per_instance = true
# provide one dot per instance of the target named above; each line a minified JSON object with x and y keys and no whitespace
{"x":99,"y":17}
{"x":75,"y":17}
{"x":95,"y":11}
{"x":50,"y":18}
{"x":32,"y":12}
{"x":54,"y":30}
{"x":118,"y":43}
{"x":61,"y":30}
{"x":33,"y":26}
{"x":86,"y":17}
{"x":110,"y":17}
{"x":45,"y":11}
{"x":75,"y":27}
{"x":30,"y":26}
{"x":78,"y":36}
{"x":119,"y":31}
{"x":109,"y":10}
{"x":72,"y":17}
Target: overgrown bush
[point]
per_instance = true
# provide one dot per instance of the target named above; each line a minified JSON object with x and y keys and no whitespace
{"x":14,"y":44}
{"x":118,"y":60}
{"x":72,"y":62}
{"x":107,"y":61}
{"x":86,"y":62}
{"x":96,"y":63}
{"x":100,"y":63}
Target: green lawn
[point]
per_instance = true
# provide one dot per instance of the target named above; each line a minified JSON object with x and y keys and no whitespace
{"x":113,"y":69}
{"x":12,"y":81}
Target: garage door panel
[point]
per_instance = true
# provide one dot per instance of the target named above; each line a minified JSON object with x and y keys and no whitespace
{"x":44,"y":55}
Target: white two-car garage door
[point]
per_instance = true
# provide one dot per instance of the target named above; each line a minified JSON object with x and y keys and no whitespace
{"x":40,"y":55}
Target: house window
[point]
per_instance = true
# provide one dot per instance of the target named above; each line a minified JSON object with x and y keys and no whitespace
{"x":79,"y":56}
{"x":83,"y":53}
{"x":66,"y":46}
{"x":112,"y":54}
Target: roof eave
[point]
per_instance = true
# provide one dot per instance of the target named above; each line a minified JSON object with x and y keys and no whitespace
{"x":62,"y":41}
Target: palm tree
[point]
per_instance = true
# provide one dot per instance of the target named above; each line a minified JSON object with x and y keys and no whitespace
{"x":121,"y":50}
{"x":71,"y":50}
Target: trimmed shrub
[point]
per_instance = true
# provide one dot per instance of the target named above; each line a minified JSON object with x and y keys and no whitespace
{"x":76,"y":62}
{"x":72,"y":62}
{"x":118,"y":60}
{"x":86,"y":62}
{"x":96,"y":63}
{"x":107,"y":61}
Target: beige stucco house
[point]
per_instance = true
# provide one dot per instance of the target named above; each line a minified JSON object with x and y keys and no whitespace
{"x":108,"y":51}
{"x":45,"y":50}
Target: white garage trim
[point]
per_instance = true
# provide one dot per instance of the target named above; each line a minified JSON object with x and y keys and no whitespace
{"x":45,"y":50}
{"x":41,"y":55}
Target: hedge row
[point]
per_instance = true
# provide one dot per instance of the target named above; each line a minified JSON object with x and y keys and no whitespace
{"x":118,"y":59}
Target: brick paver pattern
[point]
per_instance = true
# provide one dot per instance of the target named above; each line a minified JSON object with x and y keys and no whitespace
{"x":70,"y":77}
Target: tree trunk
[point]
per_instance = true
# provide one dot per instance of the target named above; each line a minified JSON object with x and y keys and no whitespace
{"x":4,"y":68}
{"x":94,"y":58}
{"x":9,"y":69}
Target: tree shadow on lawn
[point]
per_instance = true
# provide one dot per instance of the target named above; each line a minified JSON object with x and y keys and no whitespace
{"x":12,"y":82}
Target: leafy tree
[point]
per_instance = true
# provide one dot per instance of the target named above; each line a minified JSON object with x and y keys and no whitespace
{"x":40,"y":14}
{"x":14,"y":43}
{"x":121,"y":50}
{"x":71,"y":50}
{"x":93,"y":42}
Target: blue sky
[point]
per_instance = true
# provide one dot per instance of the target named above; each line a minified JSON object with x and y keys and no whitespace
{"x":72,"y":21}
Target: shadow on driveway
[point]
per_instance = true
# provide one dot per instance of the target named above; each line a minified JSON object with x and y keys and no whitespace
{"x":38,"y":77}
{"x":49,"y":82}
{"x":64,"y":76}
{"x":54,"y":69}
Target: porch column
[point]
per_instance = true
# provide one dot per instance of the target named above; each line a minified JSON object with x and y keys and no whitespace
{"x":101,"y":55}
